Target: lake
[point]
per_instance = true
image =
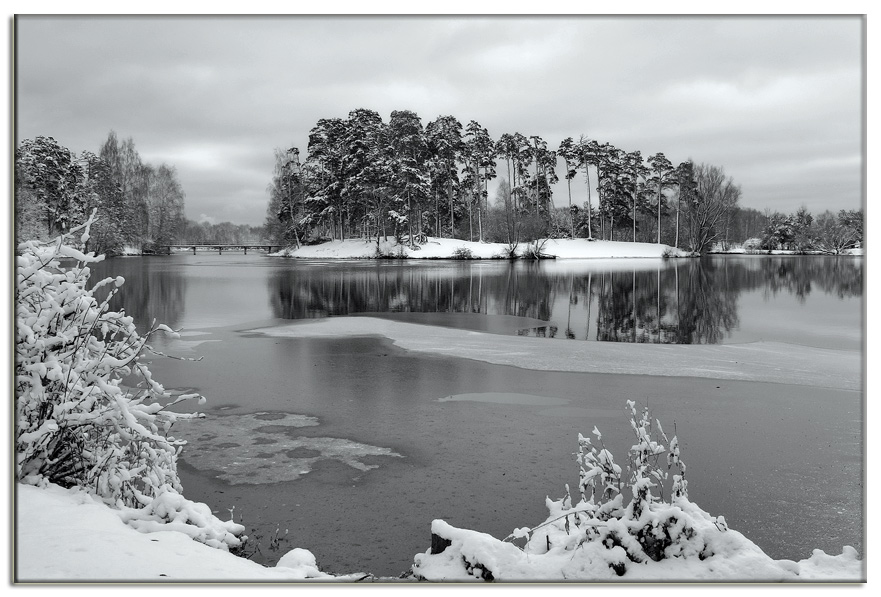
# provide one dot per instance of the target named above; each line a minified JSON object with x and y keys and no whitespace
{"x":353,"y":445}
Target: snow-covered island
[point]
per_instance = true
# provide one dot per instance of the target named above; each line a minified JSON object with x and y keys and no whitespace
{"x":450,"y":248}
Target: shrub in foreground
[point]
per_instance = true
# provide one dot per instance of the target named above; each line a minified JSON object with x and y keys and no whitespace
{"x":657,"y":535}
{"x":88,"y":412}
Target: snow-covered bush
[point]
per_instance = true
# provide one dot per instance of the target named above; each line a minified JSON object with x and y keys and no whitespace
{"x":88,"y":412}
{"x":462,"y":253}
{"x":659,"y":534}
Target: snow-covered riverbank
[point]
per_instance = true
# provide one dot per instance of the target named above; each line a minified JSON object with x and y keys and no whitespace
{"x":67,"y":535}
{"x":448,"y":248}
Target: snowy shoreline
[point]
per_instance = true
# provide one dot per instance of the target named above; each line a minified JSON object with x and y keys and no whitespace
{"x":453,"y":249}
{"x":459,"y":250}
{"x":70,"y":536}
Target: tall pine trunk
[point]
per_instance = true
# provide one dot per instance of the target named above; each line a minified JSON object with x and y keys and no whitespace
{"x":450,"y":193}
{"x":471,"y":218}
{"x":589,"y":223}
{"x":676,"y":242}
{"x":659,"y":211}
{"x":477,"y":192}
{"x":634,"y":210}
{"x":571,"y":219}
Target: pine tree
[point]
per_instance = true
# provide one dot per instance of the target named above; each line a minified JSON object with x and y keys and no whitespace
{"x":662,"y":178}
{"x":444,"y":139}
{"x":570,"y":154}
{"x":47,"y":174}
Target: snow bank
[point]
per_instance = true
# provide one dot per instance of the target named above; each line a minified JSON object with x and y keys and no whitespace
{"x":774,"y":362}
{"x":66,"y":534}
{"x":562,"y":554}
{"x":447,"y":248}
{"x":742,"y":251}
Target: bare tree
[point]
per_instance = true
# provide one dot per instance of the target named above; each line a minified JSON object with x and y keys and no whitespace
{"x":709,"y":207}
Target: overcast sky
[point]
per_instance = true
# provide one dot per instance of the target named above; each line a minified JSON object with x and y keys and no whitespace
{"x":776,"y":101}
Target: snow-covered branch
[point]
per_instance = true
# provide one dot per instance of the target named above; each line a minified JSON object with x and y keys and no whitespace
{"x":76,"y":424}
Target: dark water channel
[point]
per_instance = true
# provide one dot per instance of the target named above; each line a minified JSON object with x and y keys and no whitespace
{"x":353,"y":445}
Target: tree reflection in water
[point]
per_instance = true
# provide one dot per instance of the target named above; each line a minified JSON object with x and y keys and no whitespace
{"x":154,"y":290}
{"x":687,"y":301}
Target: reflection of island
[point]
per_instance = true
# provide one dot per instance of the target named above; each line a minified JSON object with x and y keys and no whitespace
{"x":319,"y":292}
{"x":686,"y":304}
{"x":691,"y":301}
{"x":840,"y":276}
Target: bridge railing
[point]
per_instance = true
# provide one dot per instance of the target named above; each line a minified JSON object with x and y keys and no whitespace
{"x":221,"y":246}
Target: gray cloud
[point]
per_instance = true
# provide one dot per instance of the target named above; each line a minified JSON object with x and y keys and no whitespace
{"x":775,"y":100}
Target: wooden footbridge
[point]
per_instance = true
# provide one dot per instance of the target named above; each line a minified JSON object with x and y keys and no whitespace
{"x":220,"y":247}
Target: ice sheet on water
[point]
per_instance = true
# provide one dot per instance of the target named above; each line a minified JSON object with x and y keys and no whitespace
{"x":506,"y":398}
{"x":265,"y":448}
{"x":184,"y":346}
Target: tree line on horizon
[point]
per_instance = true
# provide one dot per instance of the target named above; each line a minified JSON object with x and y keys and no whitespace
{"x":367,"y":179}
{"x":363,"y":177}
{"x":138,"y":205}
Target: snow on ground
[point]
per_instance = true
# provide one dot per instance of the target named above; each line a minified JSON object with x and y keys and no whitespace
{"x":774,"y":362}
{"x":742,"y":251}
{"x":446,"y":248}
{"x":558,"y":552}
{"x":67,"y":535}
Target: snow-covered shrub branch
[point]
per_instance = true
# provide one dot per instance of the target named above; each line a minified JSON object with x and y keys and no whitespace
{"x":171,"y":511}
{"x":88,"y":412}
{"x":659,"y":534}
